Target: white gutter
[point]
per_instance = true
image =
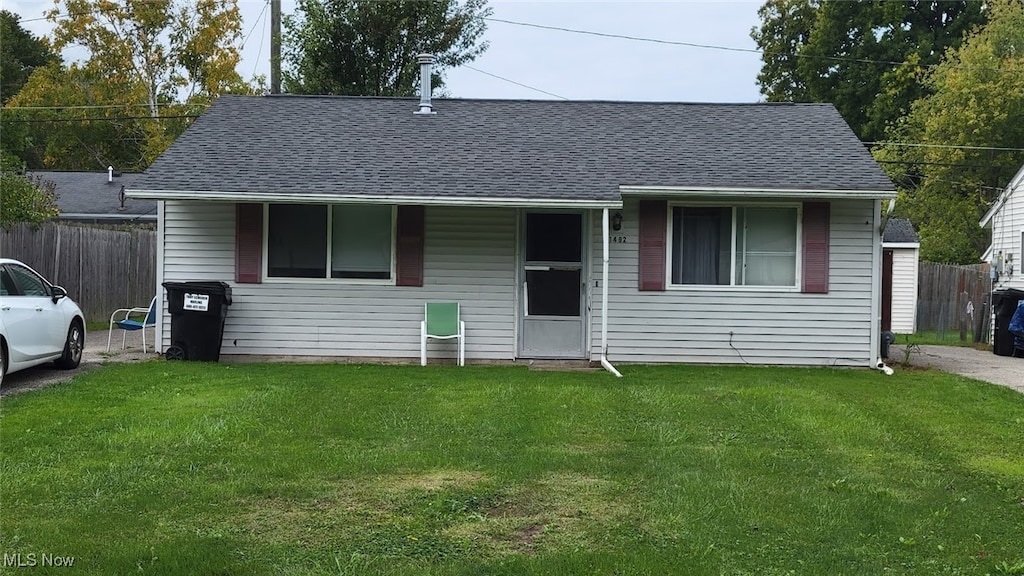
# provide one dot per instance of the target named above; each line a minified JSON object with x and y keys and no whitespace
{"x":604,"y":296}
{"x":496,"y":202}
{"x":754,"y":192}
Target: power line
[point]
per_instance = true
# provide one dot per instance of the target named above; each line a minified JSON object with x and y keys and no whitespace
{"x":255,"y":24}
{"x":959,"y":183}
{"x":96,"y":10}
{"x":514,"y":82}
{"x":98,"y":118}
{"x":263,"y":35}
{"x":98,"y":106}
{"x":725,"y":48}
{"x":948,"y":146}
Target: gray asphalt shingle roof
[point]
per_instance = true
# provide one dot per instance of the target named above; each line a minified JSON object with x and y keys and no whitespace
{"x":89,"y":193}
{"x":900,"y":230}
{"x":509,"y":148}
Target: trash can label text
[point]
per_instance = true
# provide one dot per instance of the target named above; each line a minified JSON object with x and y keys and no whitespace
{"x":198,"y":302}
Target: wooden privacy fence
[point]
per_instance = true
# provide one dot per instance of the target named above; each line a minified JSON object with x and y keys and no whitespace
{"x":954,"y":299}
{"x":101,"y":268}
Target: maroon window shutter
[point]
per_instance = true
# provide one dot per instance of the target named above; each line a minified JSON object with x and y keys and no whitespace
{"x":653,"y":216}
{"x":409,"y":247}
{"x":248,"y":243}
{"x":815,"y":247}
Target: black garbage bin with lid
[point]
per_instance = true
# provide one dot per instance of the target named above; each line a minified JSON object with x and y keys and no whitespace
{"x":1004,"y":304}
{"x":198,"y":310}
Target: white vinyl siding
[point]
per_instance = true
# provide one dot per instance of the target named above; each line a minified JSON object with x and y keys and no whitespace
{"x":469,"y":257}
{"x":1008,"y":237}
{"x":768,"y":326}
{"x":904,"y":290}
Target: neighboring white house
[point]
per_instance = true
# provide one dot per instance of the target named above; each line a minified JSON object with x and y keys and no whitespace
{"x":621,"y":231}
{"x":900,"y":250}
{"x":1006,"y":219}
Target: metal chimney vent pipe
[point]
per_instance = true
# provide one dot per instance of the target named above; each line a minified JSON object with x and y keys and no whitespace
{"x":425,"y":61}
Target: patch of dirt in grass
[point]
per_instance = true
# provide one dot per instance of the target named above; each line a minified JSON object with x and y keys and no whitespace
{"x":341,"y":510}
{"x":431,"y":481}
{"x":558,"y":511}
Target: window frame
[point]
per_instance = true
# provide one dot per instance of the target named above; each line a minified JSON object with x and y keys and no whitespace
{"x":327,"y":279}
{"x":732,"y":205}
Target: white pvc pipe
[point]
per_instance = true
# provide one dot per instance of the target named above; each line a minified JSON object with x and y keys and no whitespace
{"x":604,"y":296}
{"x":879,"y":365}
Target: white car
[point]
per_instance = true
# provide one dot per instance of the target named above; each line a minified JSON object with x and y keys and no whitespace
{"x":39,"y":323}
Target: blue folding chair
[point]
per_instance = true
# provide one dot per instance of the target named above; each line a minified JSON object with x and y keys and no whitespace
{"x":129,"y":324}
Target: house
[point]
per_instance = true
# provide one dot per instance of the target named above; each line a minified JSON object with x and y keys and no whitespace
{"x":611,"y":231}
{"x":1006,"y":218}
{"x":900,"y":250}
{"x":98,"y":197}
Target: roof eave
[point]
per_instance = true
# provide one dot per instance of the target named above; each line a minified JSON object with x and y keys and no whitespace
{"x":490,"y":202}
{"x":1004,"y":197}
{"x":755,"y":192}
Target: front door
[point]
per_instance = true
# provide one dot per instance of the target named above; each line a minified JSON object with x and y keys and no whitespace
{"x":553,"y":286}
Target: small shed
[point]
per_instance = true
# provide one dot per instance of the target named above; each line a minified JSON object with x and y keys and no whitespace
{"x":901,"y":248}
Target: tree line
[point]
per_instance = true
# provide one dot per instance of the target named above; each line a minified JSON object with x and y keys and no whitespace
{"x":936,"y":89}
{"x":150,"y":67}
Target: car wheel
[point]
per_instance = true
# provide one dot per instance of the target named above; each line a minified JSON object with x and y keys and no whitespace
{"x":3,"y":363}
{"x":72,"y":347}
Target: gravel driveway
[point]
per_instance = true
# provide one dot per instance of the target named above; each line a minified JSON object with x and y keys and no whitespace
{"x":978,"y":364}
{"x":93,"y":357}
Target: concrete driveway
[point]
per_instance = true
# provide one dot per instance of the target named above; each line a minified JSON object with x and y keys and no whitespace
{"x":94,"y":356}
{"x":978,"y":364}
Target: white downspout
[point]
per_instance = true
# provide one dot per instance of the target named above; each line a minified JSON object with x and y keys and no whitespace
{"x":604,"y":296}
{"x":876,"y":289}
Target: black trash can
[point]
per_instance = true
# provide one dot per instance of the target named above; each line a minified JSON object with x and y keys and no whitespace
{"x":1004,"y":304}
{"x":198,"y":310}
{"x":887,"y":339}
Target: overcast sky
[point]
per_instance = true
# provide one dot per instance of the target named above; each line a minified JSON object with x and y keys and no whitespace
{"x":566,"y":64}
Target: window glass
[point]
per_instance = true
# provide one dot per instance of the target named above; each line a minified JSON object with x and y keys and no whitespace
{"x":734,"y":246}
{"x":553,"y":237}
{"x":361,"y":242}
{"x":29,"y":283}
{"x":766,"y":247}
{"x":553,"y":292}
{"x":701,"y":245}
{"x":297,"y":241}
{"x":6,"y":282}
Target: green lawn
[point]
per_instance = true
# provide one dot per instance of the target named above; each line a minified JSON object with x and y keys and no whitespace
{"x":183,"y":468}
{"x":941,"y":338}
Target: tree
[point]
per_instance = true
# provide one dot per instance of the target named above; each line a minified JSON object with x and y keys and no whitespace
{"x":369,"y":48}
{"x":172,"y":47}
{"x":864,"y":57}
{"x":23,"y":199}
{"x":975,"y":106}
{"x":151,"y":65}
{"x":20,"y":53}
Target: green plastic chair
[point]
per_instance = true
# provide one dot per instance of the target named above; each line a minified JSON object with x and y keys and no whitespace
{"x":441,"y":321}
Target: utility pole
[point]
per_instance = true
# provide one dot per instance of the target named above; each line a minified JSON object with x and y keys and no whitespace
{"x":275,"y":46}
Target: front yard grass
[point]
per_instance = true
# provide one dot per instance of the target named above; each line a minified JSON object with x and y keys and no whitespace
{"x":184,"y":468}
